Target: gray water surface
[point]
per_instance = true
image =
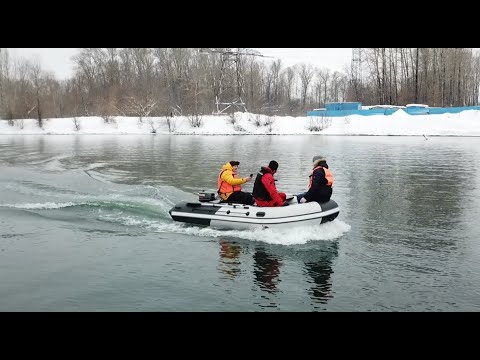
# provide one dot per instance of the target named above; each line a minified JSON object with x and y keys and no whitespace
{"x":84,"y":226}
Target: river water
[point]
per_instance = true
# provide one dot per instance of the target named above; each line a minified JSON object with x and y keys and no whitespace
{"x":84,"y":225}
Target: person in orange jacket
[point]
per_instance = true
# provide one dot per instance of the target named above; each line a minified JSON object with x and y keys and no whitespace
{"x":264,"y":190}
{"x":229,"y":183}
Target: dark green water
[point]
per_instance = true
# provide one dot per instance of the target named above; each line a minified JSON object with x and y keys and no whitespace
{"x":84,"y":226}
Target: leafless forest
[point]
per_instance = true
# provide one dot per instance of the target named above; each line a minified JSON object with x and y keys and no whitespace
{"x":146,"y":82}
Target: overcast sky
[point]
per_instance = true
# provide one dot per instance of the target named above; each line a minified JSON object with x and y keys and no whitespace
{"x":58,"y":60}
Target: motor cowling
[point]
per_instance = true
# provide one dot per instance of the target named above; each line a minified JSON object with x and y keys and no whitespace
{"x":206,"y":196}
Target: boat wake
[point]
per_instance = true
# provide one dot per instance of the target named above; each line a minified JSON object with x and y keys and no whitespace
{"x":297,"y":235}
{"x":143,"y":207}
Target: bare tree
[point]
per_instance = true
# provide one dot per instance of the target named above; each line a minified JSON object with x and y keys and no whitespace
{"x":4,"y":65}
{"x":290,"y":80}
{"x":141,"y":107}
{"x":76,"y":123}
{"x":324,"y":76}
{"x":306,"y":75}
{"x":153,"y":81}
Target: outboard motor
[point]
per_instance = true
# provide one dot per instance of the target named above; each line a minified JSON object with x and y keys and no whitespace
{"x":206,"y":196}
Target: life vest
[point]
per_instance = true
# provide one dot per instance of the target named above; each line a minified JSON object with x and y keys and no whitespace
{"x":259,"y":190}
{"x":328,"y":176}
{"x":224,"y":188}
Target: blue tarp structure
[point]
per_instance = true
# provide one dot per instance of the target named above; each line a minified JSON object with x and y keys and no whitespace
{"x":355,"y":108}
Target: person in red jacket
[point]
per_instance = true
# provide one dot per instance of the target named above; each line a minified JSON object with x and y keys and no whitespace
{"x":264,"y":189}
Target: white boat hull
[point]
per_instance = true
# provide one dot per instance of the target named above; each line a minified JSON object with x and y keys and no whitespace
{"x":244,"y":217}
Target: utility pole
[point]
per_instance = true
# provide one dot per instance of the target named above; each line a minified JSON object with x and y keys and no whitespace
{"x":356,"y":68}
{"x":229,"y":87}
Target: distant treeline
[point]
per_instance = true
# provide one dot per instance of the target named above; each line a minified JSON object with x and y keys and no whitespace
{"x":177,"y":81}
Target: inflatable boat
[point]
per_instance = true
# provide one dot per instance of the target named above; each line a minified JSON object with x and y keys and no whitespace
{"x":209,"y":211}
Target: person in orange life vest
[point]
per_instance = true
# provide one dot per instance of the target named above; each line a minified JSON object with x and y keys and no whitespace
{"x":229,"y":183}
{"x":320,"y":182}
{"x":264,"y":190}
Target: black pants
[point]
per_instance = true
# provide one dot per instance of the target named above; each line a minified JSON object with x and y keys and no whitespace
{"x":322,"y":195}
{"x":240,"y":197}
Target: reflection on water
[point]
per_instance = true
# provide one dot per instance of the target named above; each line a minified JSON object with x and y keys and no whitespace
{"x":312,"y":262}
{"x":266,"y":270}
{"x":229,"y":258}
{"x":319,"y":268}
